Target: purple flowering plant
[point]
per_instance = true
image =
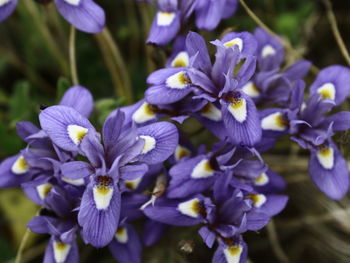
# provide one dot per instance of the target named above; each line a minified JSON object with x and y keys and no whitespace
{"x":125,"y":185}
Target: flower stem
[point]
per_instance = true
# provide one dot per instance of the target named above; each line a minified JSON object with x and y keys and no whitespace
{"x":72,"y":56}
{"x":22,"y":246}
{"x":333,"y":22}
{"x":283,"y":41}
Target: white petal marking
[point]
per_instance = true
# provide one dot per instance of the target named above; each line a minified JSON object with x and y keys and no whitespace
{"x":233,"y":254}
{"x":258,"y":199}
{"x":211,"y":112}
{"x":20,"y":166}
{"x":178,"y":80}
{"x":4,"y":2}
{"x":76,"y":133}
{"x":325,"y":157}
{"x":181,"y":152}
{"x":238,"y":110}
{"x":263,"y":179}
{"x":327,"y":91}
{"x":77,"y":182}
{"x":236,"y":41}
{"x":251,"y":90}
{"x":150,"y":143}
{"x":102,"y":196}
{"x":273,"y":122}
{"x":122,"y":235}
{"x":165,"y":18}
{"x":181,"y":60}
{"x":143,"y":114}
{"x":133,"y":184}
{"x":60,"y":251}
{"x":72,"y":2}
{"x":190,"y":208}
{"x":202,"y":170}
{"x":43,"y":190}
{"x":268,"y":50}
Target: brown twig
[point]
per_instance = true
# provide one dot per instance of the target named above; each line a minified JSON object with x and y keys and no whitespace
{"x":72,"y":56}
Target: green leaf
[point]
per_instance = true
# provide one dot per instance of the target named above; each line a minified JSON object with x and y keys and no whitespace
{"x":62,"y":85}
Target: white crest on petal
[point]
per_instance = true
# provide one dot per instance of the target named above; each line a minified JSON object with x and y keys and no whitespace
{"x":251,"y":90}
{"x":257,"y":199}
{"x":43,"y":190}
{"x":60,"y":251}
{"x":165,"y":18}
{"x":325,"y":157}
{"x":133,"y":184}
{"x":327,"y":91}
{"x":261,"y":180}
{"x":273,"y":122}
{"x":122,"y":235}
{"x":181,"y":152}
{"x":143,"y":114}
{"x":102,"y":196}
{"x":4,"y":2}
{"x":211,"y":112}
{"x":77,"y":182}
{"x":20,"y":166}
{"x":239,"y":110}
{"x":190,"y":207}
{"x":268,"y":50}
{"x":150,"y":143}
{"x":177,"y":81}
{"x":236,"y":41}
{"x":233,"y":254}
{"x":202,"y":170}
{"x":76,"y":133}
{"x":72,"y":2}
{"x":182,"y":59}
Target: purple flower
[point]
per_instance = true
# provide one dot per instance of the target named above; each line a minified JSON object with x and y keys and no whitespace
{"x":84,"y":15}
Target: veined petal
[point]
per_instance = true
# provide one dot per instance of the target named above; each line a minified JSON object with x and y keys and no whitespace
{"x":60,"y":252}
{"x":126,"y":247}
{"x":14,"y":171}
{"x":241,"y":120}
{"x":99,"y":225}
{"x":329,"y":171}
{"x":164,"y":28}
{"x":65,"y":126}
{"x":160,"y":140}
{"x":85,"y":15}
{"x":332,"y":83}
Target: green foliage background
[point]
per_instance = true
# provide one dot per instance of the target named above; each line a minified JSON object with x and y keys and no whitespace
{"x":34,"y":70}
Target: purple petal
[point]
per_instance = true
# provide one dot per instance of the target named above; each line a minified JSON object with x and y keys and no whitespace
{"x":85,"y":15}
{"x":160,"y":141}
{"x":80,"y":99}
{"x":7,"y":8}
{"x":65,"y":126}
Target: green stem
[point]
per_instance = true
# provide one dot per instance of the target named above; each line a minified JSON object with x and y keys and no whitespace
{"x":22,"y":246}
{"x":72,"y":56}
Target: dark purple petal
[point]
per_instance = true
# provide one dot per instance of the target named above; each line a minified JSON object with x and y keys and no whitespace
{"x":341,"y":121}
{"x":195,"y":45}
{"x":76,"y":170}
{"x":152,"y":232}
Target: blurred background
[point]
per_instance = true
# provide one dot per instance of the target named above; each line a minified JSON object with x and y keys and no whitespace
{"x":34,"y":70}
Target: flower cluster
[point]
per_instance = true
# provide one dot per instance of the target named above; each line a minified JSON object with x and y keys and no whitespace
{"x":172,"y":15}
{"x":84,"y":180}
